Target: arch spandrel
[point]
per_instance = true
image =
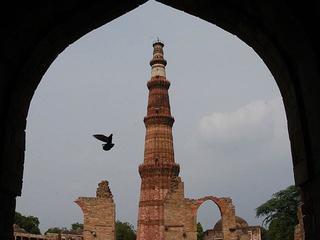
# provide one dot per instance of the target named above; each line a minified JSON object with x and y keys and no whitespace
{"x":216,"y":200}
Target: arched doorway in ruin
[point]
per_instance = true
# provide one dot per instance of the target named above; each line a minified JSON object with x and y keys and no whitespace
{"x":227,"y":212}
{"x":208,"y":214}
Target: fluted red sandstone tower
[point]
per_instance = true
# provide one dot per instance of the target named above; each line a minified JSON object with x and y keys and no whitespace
{"x":158,"y":167}
{"x":164,"y":212}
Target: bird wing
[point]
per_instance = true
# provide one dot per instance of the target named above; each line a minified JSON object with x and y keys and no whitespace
{"x":101,"y":137}
{"x":110,"y":138}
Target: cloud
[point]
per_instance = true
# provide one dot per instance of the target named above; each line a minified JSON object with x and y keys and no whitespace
{"x":257,"y":122}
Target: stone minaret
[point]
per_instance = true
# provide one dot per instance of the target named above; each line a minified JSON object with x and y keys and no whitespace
{"x":158,"y":168}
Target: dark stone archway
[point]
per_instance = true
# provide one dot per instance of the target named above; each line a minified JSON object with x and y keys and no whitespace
{"x":282,"y":33}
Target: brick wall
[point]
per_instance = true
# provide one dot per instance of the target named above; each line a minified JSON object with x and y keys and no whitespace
{"x":99,"y":214}
{"x":179,"y":214}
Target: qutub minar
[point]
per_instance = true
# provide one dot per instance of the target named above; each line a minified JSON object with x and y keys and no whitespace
{"x":164,"y":212}
{"x":159,"y":167}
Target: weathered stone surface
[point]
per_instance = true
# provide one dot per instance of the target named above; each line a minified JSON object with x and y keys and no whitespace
{"x":158,"y":167}
{"x":241,"y":231}
{"x":299,"y":229}
{"x":179,"y":213}
{"x":99,"y":214}
{"x":103,"y":190}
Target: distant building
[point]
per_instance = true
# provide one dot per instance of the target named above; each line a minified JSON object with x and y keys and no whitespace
{"x":242,"y":231}
{"x":21,"y":234}
{"x":63,"y":236}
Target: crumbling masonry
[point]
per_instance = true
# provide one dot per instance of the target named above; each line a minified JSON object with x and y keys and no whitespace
{"x":99,"y":214}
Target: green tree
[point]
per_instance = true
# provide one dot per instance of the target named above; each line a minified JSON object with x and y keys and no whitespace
{"x":280,"y":213}
{"x":76,"y":226}
{"x":125,"y":231}
{"x":56,"y":230}
{"x":200,"y":233}
{"x":28,"y":223}
{"x":265,"y":234}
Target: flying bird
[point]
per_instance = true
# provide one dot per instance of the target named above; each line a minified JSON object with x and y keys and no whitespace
{"x":108,"y":141}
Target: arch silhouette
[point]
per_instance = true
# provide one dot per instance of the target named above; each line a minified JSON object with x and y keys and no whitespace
{"x":281,"y":34}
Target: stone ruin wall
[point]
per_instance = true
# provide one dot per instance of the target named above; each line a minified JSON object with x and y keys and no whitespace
{"x":212,"y":235}
{"x":180,"y":214}
{"x":228,"y":215}
{"x":99,"y":214}
{"x":248,"y":233}
{"x":179,"y":217}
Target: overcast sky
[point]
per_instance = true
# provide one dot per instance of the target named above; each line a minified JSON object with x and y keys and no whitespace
{"x":230,"y":133}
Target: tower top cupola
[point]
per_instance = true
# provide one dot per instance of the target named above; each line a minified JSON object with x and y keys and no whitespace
{"x":157,"y":58}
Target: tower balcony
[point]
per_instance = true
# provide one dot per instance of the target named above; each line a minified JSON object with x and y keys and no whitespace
{"x":158,"y":61}
{"x":158,"y":119}
{"x":158,"y":81}
{"x":161,"y":169}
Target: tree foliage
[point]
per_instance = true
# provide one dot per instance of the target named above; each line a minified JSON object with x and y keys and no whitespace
{"x":125,"y":231}
{"x":28,"y":223}
{"x":57,"y":230}
{"x":76,"y":226}
{"x":280,"y":213}
{"x":200,"y":233}
{"x":265,"y":234}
